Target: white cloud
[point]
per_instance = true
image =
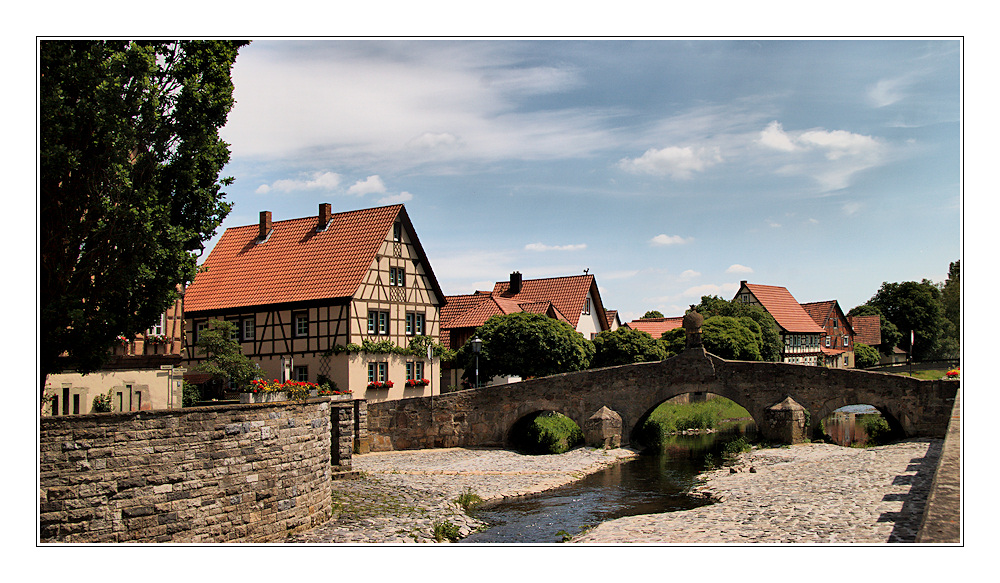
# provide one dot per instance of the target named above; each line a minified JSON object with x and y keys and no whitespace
{"x":689,"y":274}
{"x":372,"y":184}
{"x":543,"y":247}
{"x":772,"y":224}
{"x":888,"y":91}
{"x":670,"y":240}
{"x":672,"y":161}
{"x":830,"y":157}
{"x":396,"y":198}
{"x":317,"y":181}
{"x":773,"y":136}
{"x":737,"y":268}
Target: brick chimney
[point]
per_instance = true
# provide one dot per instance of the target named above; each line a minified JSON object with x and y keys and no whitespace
{"x":265,"y":226}
{"x":324,"y":216}
{"x":515,"y":283}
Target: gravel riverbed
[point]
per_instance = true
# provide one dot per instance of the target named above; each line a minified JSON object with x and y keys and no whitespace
{"x":809,"y":493}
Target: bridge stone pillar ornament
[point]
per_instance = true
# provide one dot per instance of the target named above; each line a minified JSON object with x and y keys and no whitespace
{"x":692,"y":327}
{"x":604,"y":429}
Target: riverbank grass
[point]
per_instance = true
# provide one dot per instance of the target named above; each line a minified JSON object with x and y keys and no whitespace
{"x":674,"y":417}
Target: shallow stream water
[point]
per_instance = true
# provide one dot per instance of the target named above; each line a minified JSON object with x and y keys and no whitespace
{"x":646,"y":485}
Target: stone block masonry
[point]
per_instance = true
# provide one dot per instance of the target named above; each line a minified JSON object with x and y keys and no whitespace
{"x":232,"y":473}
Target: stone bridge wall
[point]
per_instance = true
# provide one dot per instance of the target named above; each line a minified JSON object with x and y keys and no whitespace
{"x":483,"y":417}
{"x":231,"y":473}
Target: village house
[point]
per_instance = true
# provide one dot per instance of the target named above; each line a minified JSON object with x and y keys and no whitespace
{"x":800,"y":335}
{"x":837,"y":341}
{"x":305,"y":294}
{"x":143,"y":372}
{"x":575,"y":300}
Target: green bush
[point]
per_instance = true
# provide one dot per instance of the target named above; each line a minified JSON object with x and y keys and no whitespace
{"x":877,"y":429}
{"x":191,"y":395}
{"x":468,"y":499}
{"x":102,"y":403}
{"x":545,"y":433}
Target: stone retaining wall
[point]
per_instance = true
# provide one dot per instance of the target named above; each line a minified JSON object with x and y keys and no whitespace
{"x":232,"y":473}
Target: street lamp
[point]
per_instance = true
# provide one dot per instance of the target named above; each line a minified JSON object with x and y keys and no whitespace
{"x":477,"y":346}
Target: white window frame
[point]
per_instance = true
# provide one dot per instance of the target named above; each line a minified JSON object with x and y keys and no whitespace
{"x":249,"y":328}
{"x":158,"y":328}
{"x":586,"y":307}
{"x":297,"y":319}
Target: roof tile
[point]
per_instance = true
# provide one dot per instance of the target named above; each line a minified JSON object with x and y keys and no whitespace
{"x":784,"y":309}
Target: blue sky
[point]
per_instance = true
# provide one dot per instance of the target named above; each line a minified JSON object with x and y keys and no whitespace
{"x":670,"y":169}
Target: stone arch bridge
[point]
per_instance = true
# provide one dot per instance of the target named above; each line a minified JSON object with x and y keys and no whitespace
{"x":483,"y":417}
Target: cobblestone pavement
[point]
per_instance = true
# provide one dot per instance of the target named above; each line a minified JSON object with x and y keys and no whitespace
{"x":400,"y":496}
{"x":811,"y":493}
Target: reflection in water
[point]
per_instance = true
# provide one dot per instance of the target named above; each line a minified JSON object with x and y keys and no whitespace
{"x":646,"y":485}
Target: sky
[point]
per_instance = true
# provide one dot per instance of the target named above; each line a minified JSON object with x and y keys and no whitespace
{"x":667,"y":168}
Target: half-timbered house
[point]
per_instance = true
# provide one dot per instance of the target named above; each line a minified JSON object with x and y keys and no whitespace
{"x":837,"y":342}
{"x":301,"y":290}
{"x":799,"y":333}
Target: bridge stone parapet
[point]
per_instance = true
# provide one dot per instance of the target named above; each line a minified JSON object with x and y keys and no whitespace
{"x":483,"y":417}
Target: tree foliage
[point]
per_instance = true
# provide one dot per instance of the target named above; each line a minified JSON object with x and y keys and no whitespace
{"x":626,"y":346}
{"x":770,"y":347}
{"x":732,"y":338}
{"x":225,"y":359}
{"x":864,"y":355}
{"x":913,"y":306}
{"x":526,"y":345}
{"x":652,"y":314}
{"x":129,"y":178}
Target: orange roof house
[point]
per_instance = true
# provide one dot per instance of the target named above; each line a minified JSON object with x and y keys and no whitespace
{"x":800,"y":333}
{"x":573,"y":299}
{"x":300,"y":290}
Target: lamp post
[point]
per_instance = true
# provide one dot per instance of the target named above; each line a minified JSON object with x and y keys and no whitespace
{"x":477,"y":345}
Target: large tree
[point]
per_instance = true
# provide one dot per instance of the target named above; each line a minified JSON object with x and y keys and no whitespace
{"x":770,"y":348}
{"x":527,"y":345}
{"x":626,"y":346}
{"x":917,"y":307}
{"x":130,"y":158}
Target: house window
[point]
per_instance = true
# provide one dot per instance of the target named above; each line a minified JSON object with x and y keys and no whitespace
{"x":586,"y":306}
{"x":157,"y":329}
{"x":378,"y":322}
{"x":846,"y":341}
{"x":235,"y":333}
{"x":301,"y":374}
{"x":76,"y":404}
{"x":248,"y":328}
{"x":55,"y":404}
{"x":415,"y":323}
{"x":397,"y":276}
{"x":65,"y":400}
{"x":414,"y":370}
{"x":828,"y":342}
{"x":378,"y":371}
{"x":301,"y":325}
{"x":397,"y":232}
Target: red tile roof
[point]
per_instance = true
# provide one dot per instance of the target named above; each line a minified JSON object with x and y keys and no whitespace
{"x":784,"y":309}
{"x":567,"y":294}
{"x":867,"y":329}
{"x":296,"y":262}
{"x":657,"y":326}
{"x":820,"y":311}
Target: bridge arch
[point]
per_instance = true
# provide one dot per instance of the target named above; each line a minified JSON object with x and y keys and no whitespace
{"x":484,"y":417}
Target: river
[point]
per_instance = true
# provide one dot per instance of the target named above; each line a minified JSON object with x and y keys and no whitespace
{"x":648,"y":484}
